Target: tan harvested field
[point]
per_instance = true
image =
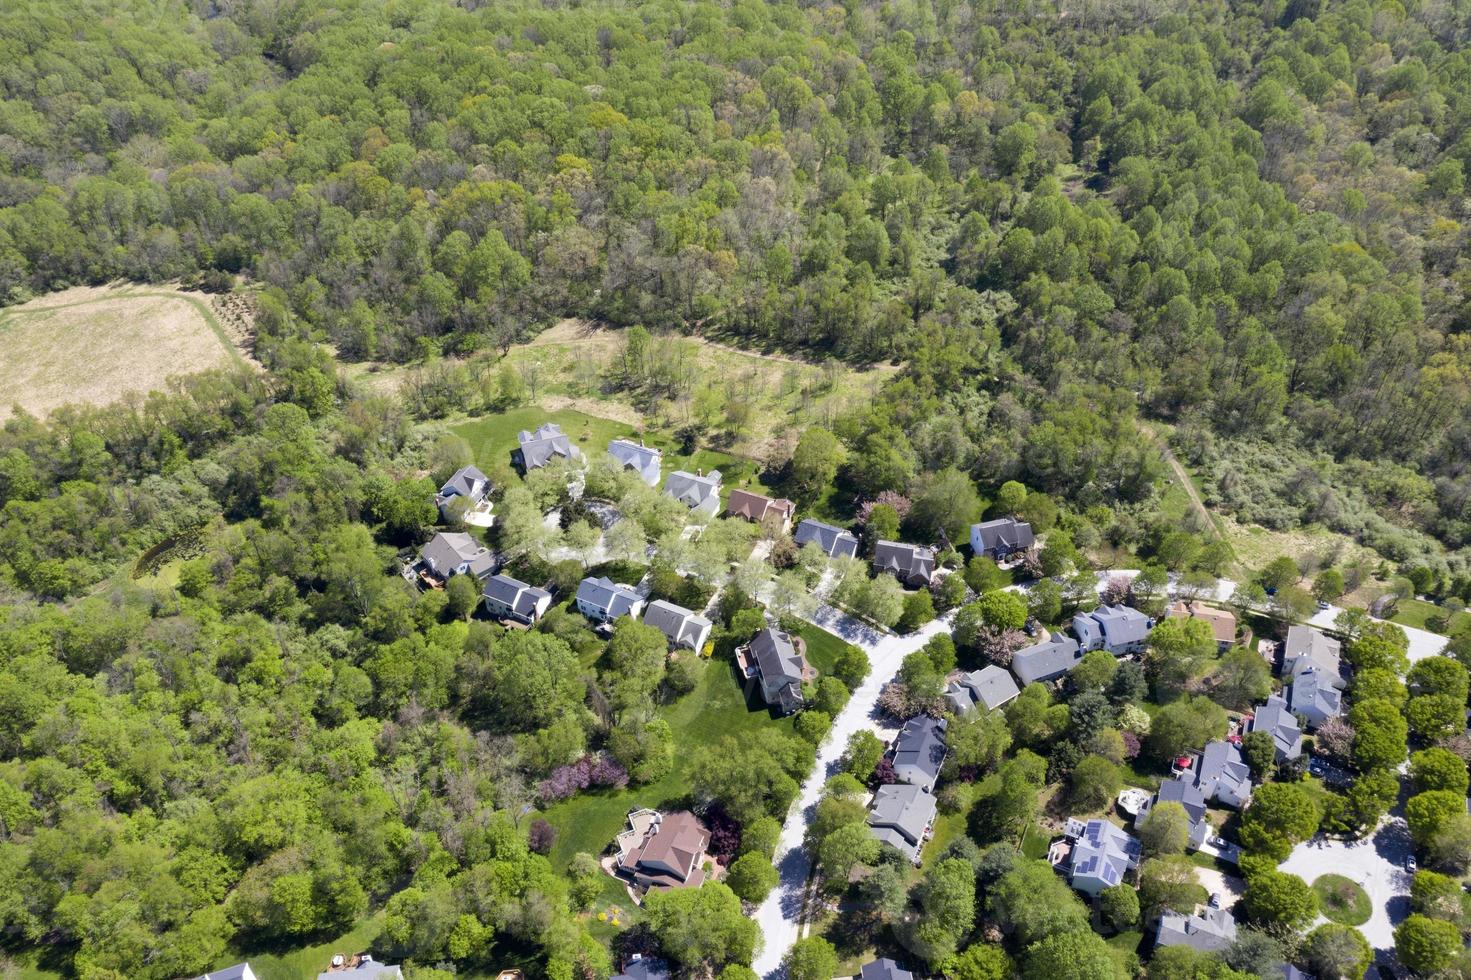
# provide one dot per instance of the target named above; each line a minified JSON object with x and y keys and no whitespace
{"x":94,"y":344}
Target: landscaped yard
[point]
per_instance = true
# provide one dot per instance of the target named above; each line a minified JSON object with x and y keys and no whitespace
{"x":1418,"y":613}
{"x":1340,"y":900}
{"x":493,"y":437}
{"x":307,"y":961}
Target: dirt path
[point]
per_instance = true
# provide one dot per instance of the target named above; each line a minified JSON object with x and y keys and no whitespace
{"x":1183,"y":479}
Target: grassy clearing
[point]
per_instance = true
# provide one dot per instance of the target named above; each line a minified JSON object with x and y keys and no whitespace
{"x":1418,"y":613}
{"x":95,"y":344}
{"x":715,"y":708}
{"x":1340,"y":900}
{"x":492,"y":438}
{"x":1035,"y":842}
{"x":306,"y":961}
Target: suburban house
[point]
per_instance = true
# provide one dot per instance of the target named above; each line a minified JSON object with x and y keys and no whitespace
{"x":834,"y":541}
{"x":604,"y":600}
{"x":643,"y":460}
{"x":776,"y":662}
{"x":456,"y":553}
{"x":541,"y":447}
{"x":1048,"y":660}
{"x":901,"y":815}
{"x":884,"y":969}
{"x":1276,"y":718}
{"x":1221,"y":621}
{"x":1316,"y":695}
{"x":663,"y":850}
{"x":240,"y":971}
{"x":1001,"y":537}
{"x":1117,"y":629}
{"x":989,"y":688}
{"x":360,"y":966}
{"x":471,"y":486}
{"x":1307,"y":648}
{"x":919,"y":751}
{"x":680,"y":627}
{"x":756,"y":508}
{"x":641,"y":967}
{"x":1220,"y":775}
{"x":699,"y":492}
{"x":509,"y":598}
{"x":1207,"y":931}
{"x":1096,"y":855}
{"x":909,"y":563}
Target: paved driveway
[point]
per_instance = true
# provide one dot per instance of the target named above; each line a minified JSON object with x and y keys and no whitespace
{"x":778,"y":916}
{"x":1377,"y":864}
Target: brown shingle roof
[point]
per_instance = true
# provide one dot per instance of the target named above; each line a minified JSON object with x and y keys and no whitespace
{"x":755,"y":507}
{"x":1222,"y":622}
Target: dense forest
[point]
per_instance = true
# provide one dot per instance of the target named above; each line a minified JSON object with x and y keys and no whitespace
{"x":1063,"y":219}
{"x":1244,"y":217}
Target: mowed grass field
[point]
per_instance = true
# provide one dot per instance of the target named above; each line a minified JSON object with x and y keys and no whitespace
{"x":93,"y":345}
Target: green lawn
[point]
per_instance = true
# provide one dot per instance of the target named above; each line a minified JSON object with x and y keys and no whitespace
{"x":715,"y":708}
{"x":307,"y":961}
{"x":1341,"y":900}
{"x":1417,"y":613}
{"x":493,"y":437}
{"x":1035,"y":841}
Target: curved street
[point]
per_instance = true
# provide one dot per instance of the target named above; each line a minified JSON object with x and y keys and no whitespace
{"x":779,"y":916}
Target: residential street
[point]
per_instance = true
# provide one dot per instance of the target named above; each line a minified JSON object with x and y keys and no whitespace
{"x":778,"y":915}
{"x":1377,"y":864}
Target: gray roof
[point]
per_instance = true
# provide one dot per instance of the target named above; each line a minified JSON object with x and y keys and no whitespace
{"x":1121,"y":624}
{"x":905,"y":560}
{"x":990,"y":686}
{"x":834,"y":541}
{"x":548,"y":441}
{"x":604,"y":593}
{"x":1003,"y":534}
{"x":1208,"y":931}
{"x":1221,"y":767}
{"x":643,"y":968}
{"x":520,"y":597}
{"x":691,"y":490}
{"x":467,"y":481}
{"x":1313,"y":693}
{"x":884,"y":969}
{"x":644,"y":460}
{"x":678,"y":624}
{"x":776,"y":656}
{"x":365,"y":969}
{"x":1277,"y":719}
{"x":920,"y":745}
{"x":1047,"y":660}
{"x":1102,"y":851}
{"x":900,"y":814}
{"x":1307,"y":647}
{"x":1185,"y":791}
{"x":449,"y":549}
{"x":240,"y":971}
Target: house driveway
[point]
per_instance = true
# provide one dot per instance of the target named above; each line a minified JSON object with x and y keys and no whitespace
{"x":1376,"y":863}
{"x":778,"y":917}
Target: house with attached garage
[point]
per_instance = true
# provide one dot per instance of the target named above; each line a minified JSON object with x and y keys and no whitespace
{"x":544,"y":445}
{"x":758,"y":508}
{"x":1046,"y":661}
{"x":641,"y":967}
{"x":680,"y":626}
{"x":663,"y":850}
{"x":603,"y":600}
{"x":776,"y":663}
{"x":1097,"y":855}
{"x":1277,"y":719}
{"x":919,"y":751}
{"x":1207,"y":931}
{"x":901,"y":815}
{"x":834,"y":541}
{"x":990,"y":688}
{"x":1221,"y":621}
{"x":1002,"y":537}
{"x":909,"y":563}
{"x":646,"y":461}
{"x":1308,"y":649}
{"x":700,"y":492}
{"x":466,"y":496}
{"x":1219,"y":775}
{"x":884,"y":969}
{"x":1316,"y":695}
{"x":512,"y":599}
{"x":1117,"y":629}
{"x":456,"y":553}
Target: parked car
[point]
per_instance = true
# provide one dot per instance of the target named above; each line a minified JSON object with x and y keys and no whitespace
{"x":1410,"y":863}
{"x":1322,"y":606}
{"x":1215,"y":902}
{"x":1218,"y":842}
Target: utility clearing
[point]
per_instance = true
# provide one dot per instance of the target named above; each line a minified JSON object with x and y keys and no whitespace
{"x":95,"y":344}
